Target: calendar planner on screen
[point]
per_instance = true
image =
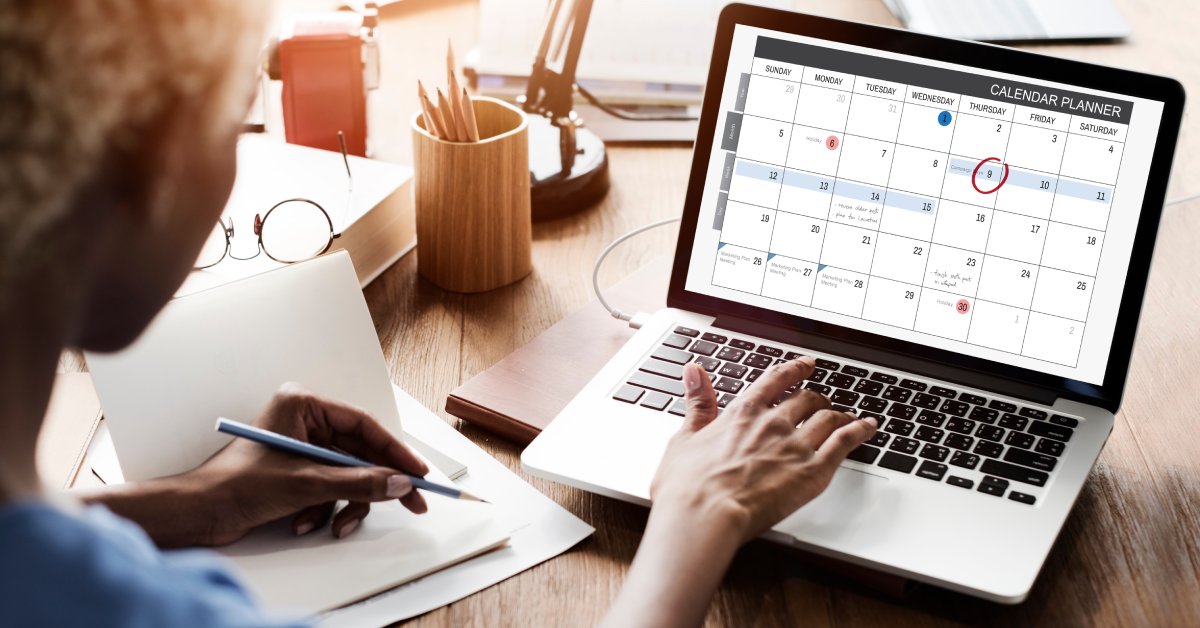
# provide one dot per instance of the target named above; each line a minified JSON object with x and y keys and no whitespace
{"x":973,"y":211}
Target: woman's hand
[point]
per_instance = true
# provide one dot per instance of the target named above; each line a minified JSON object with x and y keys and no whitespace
{"x":245,"y":484}
{"x":755,"y":464}
{"x":724,"y":480}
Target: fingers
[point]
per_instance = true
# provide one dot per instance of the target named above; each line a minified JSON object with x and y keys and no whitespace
{"x":820,"y":426}
{"x":843,"y":440}
{"x":363,"y":484}
{"x":312,"y":518}
{"x":415,"y":502}
{"x":349,"y":518}
{"x":701,"y":399}
{"x":771,"y":385}
{"x":802,"y":405}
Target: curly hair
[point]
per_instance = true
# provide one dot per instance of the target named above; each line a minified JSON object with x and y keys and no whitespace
{"x":79,"y":78}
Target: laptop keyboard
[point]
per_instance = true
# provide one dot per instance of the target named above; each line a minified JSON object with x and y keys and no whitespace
{"x":942,"y":434}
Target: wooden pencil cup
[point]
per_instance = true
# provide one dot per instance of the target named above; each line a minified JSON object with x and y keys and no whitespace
{"x":474,"y":230}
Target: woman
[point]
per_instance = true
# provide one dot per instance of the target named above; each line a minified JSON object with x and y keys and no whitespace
{"x":117,"y":143}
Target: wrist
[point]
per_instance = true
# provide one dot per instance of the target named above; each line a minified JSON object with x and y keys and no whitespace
{"x":171,"y":510}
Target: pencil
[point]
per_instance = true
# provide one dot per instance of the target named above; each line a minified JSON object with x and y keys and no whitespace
{"x":438,"y":127}
{"x":469,"y":114}
{"x":456,"y":101}
{"x":448,"y":118}
{"x":328,"y":456}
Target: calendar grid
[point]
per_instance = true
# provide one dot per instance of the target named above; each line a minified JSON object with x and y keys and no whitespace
{"x":861,"y":225}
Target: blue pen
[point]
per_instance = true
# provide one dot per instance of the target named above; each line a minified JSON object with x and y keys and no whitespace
{"x":328,"y":456}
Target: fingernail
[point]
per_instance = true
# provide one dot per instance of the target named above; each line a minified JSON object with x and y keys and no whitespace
{"x":872,"y":421}
{"x":348,"y":528}
{"x":305,"y":528}
{"x":398,"y":486}
{"x":691,"y":379}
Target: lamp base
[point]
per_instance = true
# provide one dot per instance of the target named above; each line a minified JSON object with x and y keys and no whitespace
{"x":555,"y":192}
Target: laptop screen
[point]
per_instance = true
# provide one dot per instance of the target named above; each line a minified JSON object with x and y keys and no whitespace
{"x":973,"y":211}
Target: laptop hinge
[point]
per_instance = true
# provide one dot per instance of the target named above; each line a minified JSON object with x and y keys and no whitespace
{"x":910,"y":363}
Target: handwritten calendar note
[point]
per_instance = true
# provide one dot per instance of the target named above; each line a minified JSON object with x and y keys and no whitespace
{"x":930,"y":200}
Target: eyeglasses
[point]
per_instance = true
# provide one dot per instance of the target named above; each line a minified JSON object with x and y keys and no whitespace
{"x":291,"y":231}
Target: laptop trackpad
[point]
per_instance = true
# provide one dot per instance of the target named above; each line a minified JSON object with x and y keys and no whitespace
{"x":850,"y":502}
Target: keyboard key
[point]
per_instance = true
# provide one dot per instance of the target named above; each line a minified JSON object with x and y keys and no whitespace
{"x":958,"y":441}
{"x":927,"y":401}
{"x":753,"y":376}
{"x":771,"y":351}
{"x":962,"y":426}
{"x":974,"y":400}
{"x":656,"y":400}
{"x":954,"y":480}
{"x":837,"y":407}
{"x":929,"y":417}
{"x":1049,"y":447}
{"x":895,"y":393}
{"x":965,"y":460}
{"x":1014,"y":472}
{"x":844,"y":397}
{"x":855,"y":371}
{"x":1033,"y":413}
{"x":828,"y":364}
{"x":687,"y":331}
{"x":703,"y":347}
{"x":993,"y":486}
{"x":818,"y":374}
{"x":675,"y":341}
{"x":897,"y":462}
{"x":914,"y":385}
{"x":868,"y":387}
{"x":984,"y":415}
{"x":884,"y":378}
{"x":931,"y":470}
{"x":733,"y":370}
{"x":672,"y":355}
{"x":1022,"y":497}
{"x":839,"y":380}
{"x":730,"y":354}
{"x":990,"y":432}
{"x":903,"y":428}
{"x":709,"y":364}
{"x":929,"y":434}
{"x":725,"y":400}
{"x":1050,"y":430}
{"x":666,"y":369}
{"x":729,"y":385}
{"x":1002,"y":406}
{"x":821,"y":388}
{"x":628,"y":394}
{"x":871,"y":415}
{"x":756,"y":361}
{"x":904,"y":445}
{"x":879,"y":439}
{"x":1013,"y":422}
{"x":679,"y":408}
{"x":988,"y":448}
{"x":942,"y":391}
{"x":934,"y":452}
{"x":902,"y":411}
{"x":792,"y":355}
{"x":717,"y":338}
{"x":1030,"y":459}
{"x":1019,"y":439}
{"x":872,"y":404}
{"x":1064,"y":421}
{"x":657,"y":383}
{"x":865,"y":454}
{"x":957,"y":408}
{"x":745,"y":345}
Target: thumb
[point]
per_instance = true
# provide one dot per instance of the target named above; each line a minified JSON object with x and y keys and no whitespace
{"x":701,"y":399}
{"x":358,"y":484}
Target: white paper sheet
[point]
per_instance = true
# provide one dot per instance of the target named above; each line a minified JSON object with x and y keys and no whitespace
{"x":551,"y":531}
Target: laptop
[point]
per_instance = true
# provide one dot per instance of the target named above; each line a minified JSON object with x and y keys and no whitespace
{"x":1013,"y":20}
{"x":959,"y":233}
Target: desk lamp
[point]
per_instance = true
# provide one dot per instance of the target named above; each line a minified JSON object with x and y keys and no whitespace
{"x":568,"y":164}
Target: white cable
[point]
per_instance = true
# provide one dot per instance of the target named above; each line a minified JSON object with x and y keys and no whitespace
{"x":618,"y":314}
{"x":1176,"y":201}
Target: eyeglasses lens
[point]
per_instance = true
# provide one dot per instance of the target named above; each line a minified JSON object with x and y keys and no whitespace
{"x":214,"y":247}
{"x":295,"y":231}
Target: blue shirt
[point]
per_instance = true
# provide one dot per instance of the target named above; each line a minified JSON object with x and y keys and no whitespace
{"x":93,"y":568}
